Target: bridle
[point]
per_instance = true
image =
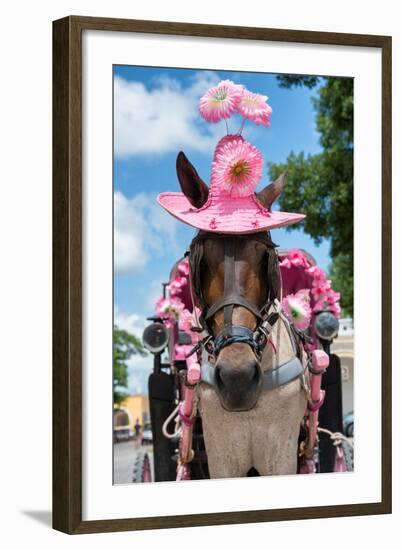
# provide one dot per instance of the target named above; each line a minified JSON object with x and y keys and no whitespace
{"x":234,"y":295}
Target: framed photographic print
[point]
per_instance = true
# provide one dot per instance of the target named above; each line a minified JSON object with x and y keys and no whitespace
{"x":222,"y":274}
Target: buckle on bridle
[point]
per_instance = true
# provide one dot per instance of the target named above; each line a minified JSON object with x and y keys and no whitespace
{"x":263,"y":331}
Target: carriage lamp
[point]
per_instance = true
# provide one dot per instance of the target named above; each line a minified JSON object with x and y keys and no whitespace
{"x":326,"y":325}
{"x":155,"y":337}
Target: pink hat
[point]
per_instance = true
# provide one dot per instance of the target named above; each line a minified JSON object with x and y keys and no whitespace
{"x":230,"y":205}
{"x":222,"y":208}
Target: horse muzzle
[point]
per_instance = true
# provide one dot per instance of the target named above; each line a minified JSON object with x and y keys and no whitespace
{"x":238,"y":385}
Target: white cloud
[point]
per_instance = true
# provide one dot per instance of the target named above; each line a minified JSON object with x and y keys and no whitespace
{"x":131,"y":322}
{"x":140,"y":228}
{"x":163,"y":119}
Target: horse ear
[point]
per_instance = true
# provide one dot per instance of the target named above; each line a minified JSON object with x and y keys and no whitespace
{"x":192,"y":185}
{"x":271,"y":192}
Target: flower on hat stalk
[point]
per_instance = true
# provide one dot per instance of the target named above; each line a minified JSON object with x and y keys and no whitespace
{"x":297,"y":309}
{"x":237,"y":167}
{"x":220,"y":101}
{"x":254,"y":107}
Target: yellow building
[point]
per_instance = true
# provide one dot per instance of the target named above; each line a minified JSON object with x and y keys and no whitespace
{"x":135,"y":407}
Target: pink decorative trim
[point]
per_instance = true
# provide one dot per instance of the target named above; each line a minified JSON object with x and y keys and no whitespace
{"x":339,"y":461}
{"x":187,"y":420}
{"x":315,"y":405}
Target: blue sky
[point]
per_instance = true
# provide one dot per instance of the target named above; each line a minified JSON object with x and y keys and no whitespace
{"x":155,"y":116}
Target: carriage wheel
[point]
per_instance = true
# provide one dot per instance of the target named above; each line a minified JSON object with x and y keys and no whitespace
{"x":142,"y":470}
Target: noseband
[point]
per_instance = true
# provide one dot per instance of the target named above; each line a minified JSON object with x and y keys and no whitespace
{"x":234,"y":295}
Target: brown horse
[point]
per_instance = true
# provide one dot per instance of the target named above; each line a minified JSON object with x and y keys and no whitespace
{"x":246,"y":423}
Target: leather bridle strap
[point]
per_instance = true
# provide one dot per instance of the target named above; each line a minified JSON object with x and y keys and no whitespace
{"x":229,"y":281}
{"x":235,"y":334}
{"x":232,"y":300}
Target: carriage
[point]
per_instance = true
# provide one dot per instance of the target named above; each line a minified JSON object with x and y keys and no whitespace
{"x":179,"y":451}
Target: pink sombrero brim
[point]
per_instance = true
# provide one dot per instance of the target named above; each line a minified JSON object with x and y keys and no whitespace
{"x":236,"y":215}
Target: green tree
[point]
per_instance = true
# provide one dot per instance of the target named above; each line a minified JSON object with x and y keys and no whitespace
{"x":321,"y":185}
{"x":124,"y":346}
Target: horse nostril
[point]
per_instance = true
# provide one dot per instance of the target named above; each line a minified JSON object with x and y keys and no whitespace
{"x":218,"y":378}
{"x":256,"y":374}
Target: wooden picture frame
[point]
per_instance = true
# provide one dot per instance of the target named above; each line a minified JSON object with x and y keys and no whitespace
{"x":67,"y":273}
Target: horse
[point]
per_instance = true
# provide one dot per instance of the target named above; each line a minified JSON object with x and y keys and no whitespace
{"x":249,"y":424}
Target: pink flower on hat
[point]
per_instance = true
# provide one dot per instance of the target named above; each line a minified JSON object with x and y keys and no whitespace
{"x":297,"y":308}
{"x":237,"y":168}
{"x":220,"y":101}
{"x":254,"y":107}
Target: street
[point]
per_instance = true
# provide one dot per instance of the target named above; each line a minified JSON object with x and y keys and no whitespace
{"x":125,"y":454}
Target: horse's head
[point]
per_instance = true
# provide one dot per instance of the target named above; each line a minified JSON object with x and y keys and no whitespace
{"x":233,"y":277}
